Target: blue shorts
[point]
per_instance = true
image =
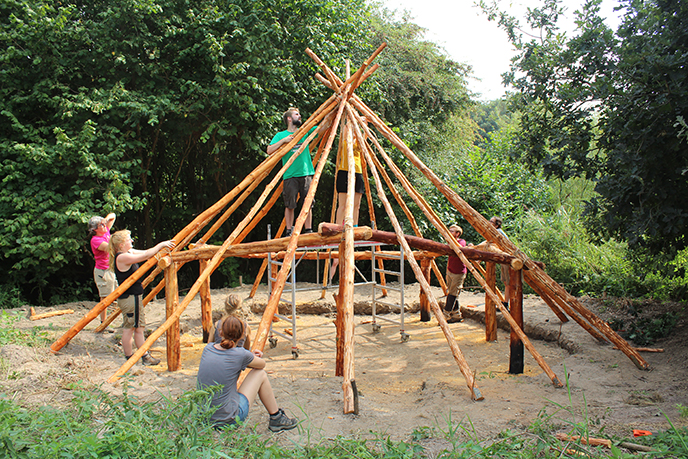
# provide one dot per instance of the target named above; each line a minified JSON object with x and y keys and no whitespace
{"x":243,"y":407}
{"x":242,"y":414}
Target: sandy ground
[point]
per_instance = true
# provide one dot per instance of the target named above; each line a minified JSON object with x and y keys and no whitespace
{"x":402,"y":385}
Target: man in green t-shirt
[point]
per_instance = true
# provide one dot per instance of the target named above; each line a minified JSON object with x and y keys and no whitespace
{"x":297,"y":179}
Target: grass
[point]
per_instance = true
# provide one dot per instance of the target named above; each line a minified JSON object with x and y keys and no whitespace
{"x":9,"y":334}
{"x":96,"y":424}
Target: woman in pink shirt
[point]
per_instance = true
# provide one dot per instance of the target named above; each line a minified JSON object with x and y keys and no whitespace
{"x":99,"y":230}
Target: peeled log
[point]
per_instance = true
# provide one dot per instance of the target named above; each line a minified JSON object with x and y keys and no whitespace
{"x":386,"y":237}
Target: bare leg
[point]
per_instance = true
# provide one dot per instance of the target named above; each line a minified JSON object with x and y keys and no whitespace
{"x":288,"y":218}
{"x":309,"y":220}
{"x":127,"y":334}
{"x":139,"y":339}
{"x":103,"y":314}
{"x":257,"y":382}
{"x":357,"y":207}
{"x":341,"y":200}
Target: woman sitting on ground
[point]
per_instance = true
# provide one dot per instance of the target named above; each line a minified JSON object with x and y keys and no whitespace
{"x":221,"y":364}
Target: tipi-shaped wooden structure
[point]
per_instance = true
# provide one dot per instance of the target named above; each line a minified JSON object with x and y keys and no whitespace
{"x":344,"y":104}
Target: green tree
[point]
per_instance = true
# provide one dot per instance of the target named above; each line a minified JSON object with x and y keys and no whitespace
{"x":149,"y":108}
{"x":608,"y":106}
{"x":421,"y":90}
{"x":491,"y":183}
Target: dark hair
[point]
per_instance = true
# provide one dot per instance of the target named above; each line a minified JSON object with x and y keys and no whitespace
{"x":288,"y":114}
{"x":231,"y":331}
{"x":496,"y":221}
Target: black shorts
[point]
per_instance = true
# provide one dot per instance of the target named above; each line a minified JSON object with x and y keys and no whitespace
{"x":359,"y":186}
{"x":295,"y":190}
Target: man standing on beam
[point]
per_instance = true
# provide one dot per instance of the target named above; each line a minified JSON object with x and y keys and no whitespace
{"x":297,"y":179}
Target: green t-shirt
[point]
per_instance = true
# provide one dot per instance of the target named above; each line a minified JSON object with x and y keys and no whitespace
{"x":302,"y":166}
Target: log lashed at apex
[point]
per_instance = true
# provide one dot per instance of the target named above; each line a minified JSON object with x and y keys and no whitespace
{"x":345,"y":105}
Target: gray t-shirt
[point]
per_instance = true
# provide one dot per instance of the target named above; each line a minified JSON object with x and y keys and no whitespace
{"x":223,"y":367}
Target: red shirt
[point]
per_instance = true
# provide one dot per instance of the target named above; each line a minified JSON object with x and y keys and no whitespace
{"x":454,"y":264}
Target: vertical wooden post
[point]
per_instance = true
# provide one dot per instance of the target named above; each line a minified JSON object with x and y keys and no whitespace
{"x":206,"y":304}
{"x":490,"y":311}
{"x":425,"y":267}
{"x":516,"y":311}
{"x":273,"y":275}
{"x":174,"y":357}
{"x":346,"y":279}
{"x":339,"y":320}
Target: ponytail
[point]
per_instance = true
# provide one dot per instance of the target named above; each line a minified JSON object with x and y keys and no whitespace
{"x":116,"y":241}
{"x":231,"y":331}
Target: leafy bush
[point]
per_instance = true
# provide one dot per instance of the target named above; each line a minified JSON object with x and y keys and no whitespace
{"x":572,"y":257}
{"x":646,"y":331}
{"x":489,"y":182}
{"x":668,"y":281}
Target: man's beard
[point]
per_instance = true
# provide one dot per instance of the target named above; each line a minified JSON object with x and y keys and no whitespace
{"x":296,"y":123}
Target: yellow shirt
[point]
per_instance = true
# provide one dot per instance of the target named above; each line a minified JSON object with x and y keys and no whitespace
{"x":343,"y":159}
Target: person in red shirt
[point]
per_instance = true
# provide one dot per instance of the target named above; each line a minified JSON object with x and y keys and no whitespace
{"x":456,"y":274}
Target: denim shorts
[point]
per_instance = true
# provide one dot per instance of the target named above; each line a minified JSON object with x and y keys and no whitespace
{"x":243,"y":407}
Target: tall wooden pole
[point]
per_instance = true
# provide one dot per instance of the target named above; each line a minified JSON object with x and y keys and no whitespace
{"x":490,"y":311}
{"x":439,"y":225}
{"x":516,"y":363}
{"x":206,"y":304}
{"x":174,"y":356}
{"x":346,"y":279}
{"x":278,"y":285}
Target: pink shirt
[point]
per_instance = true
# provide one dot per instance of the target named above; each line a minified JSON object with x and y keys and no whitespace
{"x":102,"y":258}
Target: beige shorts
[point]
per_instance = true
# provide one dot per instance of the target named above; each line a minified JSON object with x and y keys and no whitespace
{"x":455,"y":283}
{"x":105,"y":281}
{"x":132,"y":311}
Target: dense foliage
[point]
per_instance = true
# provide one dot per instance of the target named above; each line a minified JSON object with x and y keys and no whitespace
{"x":608,"y":106}
{"x":150,"y":109}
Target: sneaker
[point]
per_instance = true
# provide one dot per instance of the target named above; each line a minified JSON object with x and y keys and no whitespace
{"x":287,"y":232}
{"x":149,"y":360}
{"x":280,"y":421}
{"x":307,"y":231}
{"x":454,"y":317}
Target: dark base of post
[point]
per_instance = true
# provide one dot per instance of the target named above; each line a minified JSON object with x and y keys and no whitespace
{"x":516,"y":358}
{"x":355,"y":391}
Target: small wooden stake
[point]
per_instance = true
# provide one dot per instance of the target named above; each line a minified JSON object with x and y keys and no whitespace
{"x":45,"y":315}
